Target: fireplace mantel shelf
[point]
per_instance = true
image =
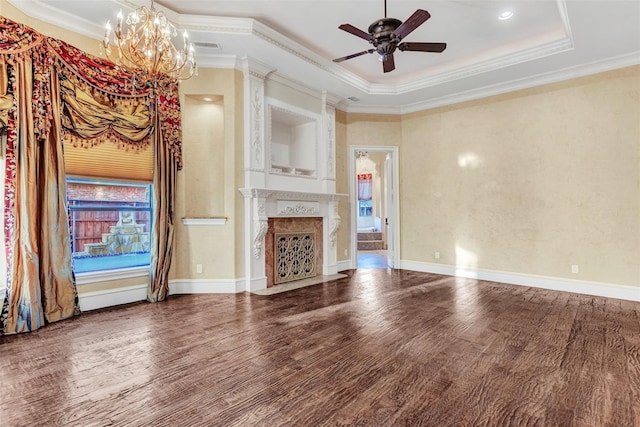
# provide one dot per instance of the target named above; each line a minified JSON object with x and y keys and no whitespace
{"x":269,"y":194}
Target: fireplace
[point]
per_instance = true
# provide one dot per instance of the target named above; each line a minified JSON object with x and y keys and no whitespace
{"x":271,"y":213}
{"x":293,"y":249}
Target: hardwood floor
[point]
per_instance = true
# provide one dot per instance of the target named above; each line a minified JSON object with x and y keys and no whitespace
{"x":372,"y":259}
{"x":379,"y":348}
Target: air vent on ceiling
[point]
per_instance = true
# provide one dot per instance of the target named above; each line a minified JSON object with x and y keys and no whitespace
{"x":354,"y":99}
{"x":207,"y":45}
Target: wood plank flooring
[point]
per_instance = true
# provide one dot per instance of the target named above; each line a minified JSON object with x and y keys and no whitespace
{"x":378,"y":348}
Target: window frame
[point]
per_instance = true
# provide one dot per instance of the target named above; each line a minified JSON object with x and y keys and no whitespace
{"x":119,"y":273}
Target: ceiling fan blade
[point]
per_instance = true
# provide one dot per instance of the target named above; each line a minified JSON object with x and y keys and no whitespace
{"x":413,"y":22}
{"x":356,"y":32}
{"x":388,"y":63}
{"x":422,"y":47}
{"x":354,"y":55}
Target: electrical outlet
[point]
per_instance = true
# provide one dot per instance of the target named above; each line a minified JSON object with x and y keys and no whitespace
{"x":346,"y":253}
{"x":198,"y":268}
{"x":574,"y":269}
{"x":436,"y":255}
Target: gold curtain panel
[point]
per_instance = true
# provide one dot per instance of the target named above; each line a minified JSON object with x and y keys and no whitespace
{"x":6,"y":100}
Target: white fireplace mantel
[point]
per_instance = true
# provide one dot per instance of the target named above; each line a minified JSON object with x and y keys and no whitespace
{"x":273,"y":195}
{"x":262,"y":204}
{"x":289,"y":166}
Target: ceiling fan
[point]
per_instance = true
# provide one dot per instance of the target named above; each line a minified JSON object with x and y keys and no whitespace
{"x":386,"y":36}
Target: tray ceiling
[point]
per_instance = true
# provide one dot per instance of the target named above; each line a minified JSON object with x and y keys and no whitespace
{"x":544,"y":41}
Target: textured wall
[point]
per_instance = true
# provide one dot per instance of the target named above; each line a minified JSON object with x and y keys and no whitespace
{"x":207,"y":185}
{"x":363,"y":130}
{"x":530,"y":182}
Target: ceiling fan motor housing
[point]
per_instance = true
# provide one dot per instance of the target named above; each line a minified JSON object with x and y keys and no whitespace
{"x":383,"y":29}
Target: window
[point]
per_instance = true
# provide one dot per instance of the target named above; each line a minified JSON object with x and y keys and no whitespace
{"x":365,"y":207}
{"x":110,"y":224}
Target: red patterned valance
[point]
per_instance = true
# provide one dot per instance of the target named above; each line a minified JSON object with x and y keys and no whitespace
{"x":97,"y":72}
{"x":17,"y":38}
{"x":93,"y":75}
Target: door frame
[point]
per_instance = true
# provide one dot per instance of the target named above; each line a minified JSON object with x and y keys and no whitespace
{"x":394,"y":239}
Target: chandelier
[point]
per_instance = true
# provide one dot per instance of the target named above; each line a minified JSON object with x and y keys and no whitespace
{"x":361,"y":155}
{"x":146,"y":48}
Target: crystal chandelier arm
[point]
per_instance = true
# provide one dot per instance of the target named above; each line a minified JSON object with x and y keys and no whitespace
{"x":146,"y":48}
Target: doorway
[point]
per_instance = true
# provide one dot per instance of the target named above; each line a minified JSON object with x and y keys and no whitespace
{"x":373,"y":190}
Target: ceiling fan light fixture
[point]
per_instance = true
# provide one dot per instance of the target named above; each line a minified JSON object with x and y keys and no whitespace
{"x":387,"y":35}
{"x":505,"y":15}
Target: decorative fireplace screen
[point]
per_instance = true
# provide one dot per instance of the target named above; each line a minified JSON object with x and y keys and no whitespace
{"x":295,"y":256}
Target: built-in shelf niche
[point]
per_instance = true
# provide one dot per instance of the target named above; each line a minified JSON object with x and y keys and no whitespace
{"x":293,"y":139}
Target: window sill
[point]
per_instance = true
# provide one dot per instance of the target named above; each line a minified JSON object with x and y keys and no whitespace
{"x":110,"y":275}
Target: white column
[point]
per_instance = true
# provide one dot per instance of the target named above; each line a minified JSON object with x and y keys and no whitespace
{"x":255,"y":163}
{"x":331,"y":224}
{"x":327,"y":144}
{"x":255,"y":228}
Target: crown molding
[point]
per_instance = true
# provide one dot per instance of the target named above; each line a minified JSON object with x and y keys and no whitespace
{"x":531,"y":54}
{"x":43,"y":11}
{"x":568,"y":73}
{"x":253,"y":67}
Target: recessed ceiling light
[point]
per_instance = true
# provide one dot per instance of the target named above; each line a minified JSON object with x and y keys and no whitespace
{"x":207,"y":99}
{"x":507,"y":14}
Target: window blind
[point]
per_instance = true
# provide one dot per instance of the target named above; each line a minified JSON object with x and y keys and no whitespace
{"x":106,"y":160}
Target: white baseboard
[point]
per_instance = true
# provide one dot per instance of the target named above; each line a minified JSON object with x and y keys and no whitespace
{"x":204,"y":286}
{"x":330,"y":270}
{"x":345,"y":265}
{"x":110,"y":297}
{"x":257,"y":284}
{"x":609,"y":290}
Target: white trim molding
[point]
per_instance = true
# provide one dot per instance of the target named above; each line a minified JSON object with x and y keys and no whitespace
{"x":110,"y":297}
{"x":608,"y":290}
{"x":345,"y":265}
{"x":111,"y":275}
{"x":205,"y":286}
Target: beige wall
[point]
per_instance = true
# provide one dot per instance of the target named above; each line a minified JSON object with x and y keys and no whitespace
{"x":207,"y":186}
{"x":529,"y":182}
{"x":364,"y":130}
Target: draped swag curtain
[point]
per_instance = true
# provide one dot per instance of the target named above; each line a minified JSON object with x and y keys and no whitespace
{"x":52,"y":94}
